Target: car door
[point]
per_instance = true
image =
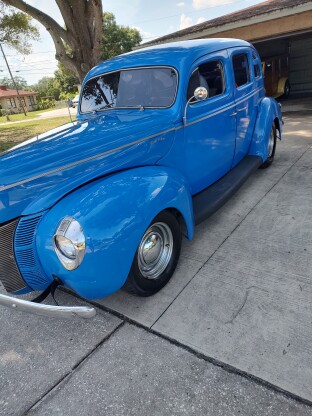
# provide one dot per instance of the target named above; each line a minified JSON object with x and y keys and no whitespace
{"x":210,"y":125}
{"x":246,"y":95}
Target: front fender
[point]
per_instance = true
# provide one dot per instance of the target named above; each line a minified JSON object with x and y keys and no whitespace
{"x":269,"y":113}
{"x":114,"y":213}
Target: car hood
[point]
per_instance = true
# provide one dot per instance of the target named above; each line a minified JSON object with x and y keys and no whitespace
{"x":37,"y":173}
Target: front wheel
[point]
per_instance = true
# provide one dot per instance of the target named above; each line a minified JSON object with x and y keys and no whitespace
{"x":156,"y":257}
{"x":271,"y":148}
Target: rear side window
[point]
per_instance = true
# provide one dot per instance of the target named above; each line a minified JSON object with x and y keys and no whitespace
{"x":209,"y":75}
{"x":241,"y":69}
{"x":257,"y":70}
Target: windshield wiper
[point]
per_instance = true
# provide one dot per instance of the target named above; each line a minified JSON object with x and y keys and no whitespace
{"x":109,"y":105}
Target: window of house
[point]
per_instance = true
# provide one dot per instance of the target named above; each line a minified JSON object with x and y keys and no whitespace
{"x":209,"y":75}
{"x":11,"y":103}
{"x":241,"y":69}
{"x":31,"y":100}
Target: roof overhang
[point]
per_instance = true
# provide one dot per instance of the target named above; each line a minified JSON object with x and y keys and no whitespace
{"x":222,"y":30}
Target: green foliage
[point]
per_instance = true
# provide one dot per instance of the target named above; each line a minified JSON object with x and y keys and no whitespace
{"x":117,"y":39}
{"x":20,"y":82}
{"x":47,"y":87}
{"x":46,"y":103}
{"x":66,"y":81}
{"x":16,"y":29}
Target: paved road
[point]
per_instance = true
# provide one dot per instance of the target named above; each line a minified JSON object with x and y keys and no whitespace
{"x":239,"y":303}
{"x":59,"y":112}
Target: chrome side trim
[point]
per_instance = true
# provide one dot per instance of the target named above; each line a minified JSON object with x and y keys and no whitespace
{"x":226,"y":108}
{"x":79,"y":162}
{"x":47,"y":310}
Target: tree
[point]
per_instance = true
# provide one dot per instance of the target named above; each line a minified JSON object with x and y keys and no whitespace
{"x":117,"y":39}
{"x":66,"y":81}
{"x":47,"y":87}
{"x":16,"y":29}
{"x":20,"y":82}
{"x":78,"y":44}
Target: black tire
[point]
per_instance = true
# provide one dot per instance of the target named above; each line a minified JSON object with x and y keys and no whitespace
{"x":143,"y":279}
{"x":286,"y":89}
{"x":271,"y":151}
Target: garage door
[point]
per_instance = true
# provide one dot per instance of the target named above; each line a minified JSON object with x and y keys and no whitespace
{"x":300,"y":65}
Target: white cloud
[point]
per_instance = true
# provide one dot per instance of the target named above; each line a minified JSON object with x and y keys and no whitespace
{"x":185,"y":21}
{"x":145,"y":35}
{"x":204,"y":4}
{"x":201,"y":20}
{"x":181,"y":4}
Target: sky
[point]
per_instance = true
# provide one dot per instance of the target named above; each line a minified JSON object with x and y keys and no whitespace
{"x":152,"y":18}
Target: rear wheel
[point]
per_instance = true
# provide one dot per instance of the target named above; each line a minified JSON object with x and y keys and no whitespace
{"x":271,"y":148}
{"x":156,"y":257}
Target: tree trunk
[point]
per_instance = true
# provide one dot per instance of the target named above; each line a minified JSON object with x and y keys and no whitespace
{"x":78,"y":44}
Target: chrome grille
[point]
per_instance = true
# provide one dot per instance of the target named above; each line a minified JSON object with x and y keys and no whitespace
{"x":9,"y":272}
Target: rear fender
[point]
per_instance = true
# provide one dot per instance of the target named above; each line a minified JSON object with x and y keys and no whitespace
{"x":114,"y":213}
{"x":269,"y":113}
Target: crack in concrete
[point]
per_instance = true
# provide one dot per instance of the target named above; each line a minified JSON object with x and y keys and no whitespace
{"x":235,"y":314}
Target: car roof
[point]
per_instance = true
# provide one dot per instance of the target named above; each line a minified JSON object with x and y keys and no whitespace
{"x":176,"y":54}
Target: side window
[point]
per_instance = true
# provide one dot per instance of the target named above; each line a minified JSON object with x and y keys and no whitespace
{"x":241,"y":69}
{"x":257,"y":70}
{"x":209,"y":75}
{"x":256,"y":65}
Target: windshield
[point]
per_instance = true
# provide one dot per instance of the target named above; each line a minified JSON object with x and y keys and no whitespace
{"x":143,"y":87}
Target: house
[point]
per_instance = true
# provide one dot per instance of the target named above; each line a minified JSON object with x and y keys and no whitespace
{"x":10,"y":101}
{"x":275,"y":27}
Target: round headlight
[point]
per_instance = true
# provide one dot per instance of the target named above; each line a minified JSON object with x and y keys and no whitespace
{"x":65,"y":246}
{"x":69,"y":243}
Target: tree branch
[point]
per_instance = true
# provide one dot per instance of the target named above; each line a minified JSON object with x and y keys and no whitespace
{"x":83,"y":21}
{"x":49,"y":23}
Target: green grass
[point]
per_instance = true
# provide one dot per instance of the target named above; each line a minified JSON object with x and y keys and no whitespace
{"x":19,"y":117}
{"x":12,"y":134}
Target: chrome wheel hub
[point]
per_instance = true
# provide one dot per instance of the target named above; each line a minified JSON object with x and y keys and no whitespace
{"x":155,"y":250}
{"x":271,"y":144}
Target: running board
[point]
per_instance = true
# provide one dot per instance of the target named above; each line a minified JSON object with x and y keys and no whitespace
{"x":208,"y":201}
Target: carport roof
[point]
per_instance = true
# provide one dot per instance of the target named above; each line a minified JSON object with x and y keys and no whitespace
{"x":266,"y":7}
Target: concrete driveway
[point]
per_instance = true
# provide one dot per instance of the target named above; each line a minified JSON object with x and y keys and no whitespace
{"x":242,"y":294}
{"x":231,"y":329}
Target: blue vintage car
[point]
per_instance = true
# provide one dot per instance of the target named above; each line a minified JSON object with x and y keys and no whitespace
{"x":165,"y":135}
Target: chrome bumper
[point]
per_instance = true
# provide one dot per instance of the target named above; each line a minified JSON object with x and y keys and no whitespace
{"x":47,"y":310}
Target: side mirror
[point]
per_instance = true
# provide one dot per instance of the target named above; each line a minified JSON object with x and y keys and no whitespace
{"x":200,"y":94}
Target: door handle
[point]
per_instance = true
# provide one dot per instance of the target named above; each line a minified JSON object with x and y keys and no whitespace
{"x":242,"y":109}
{"x":233,"y":114}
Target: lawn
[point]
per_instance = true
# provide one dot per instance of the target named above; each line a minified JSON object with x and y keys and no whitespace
{"x":19,"y":117}
{"x":12,"y":134}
